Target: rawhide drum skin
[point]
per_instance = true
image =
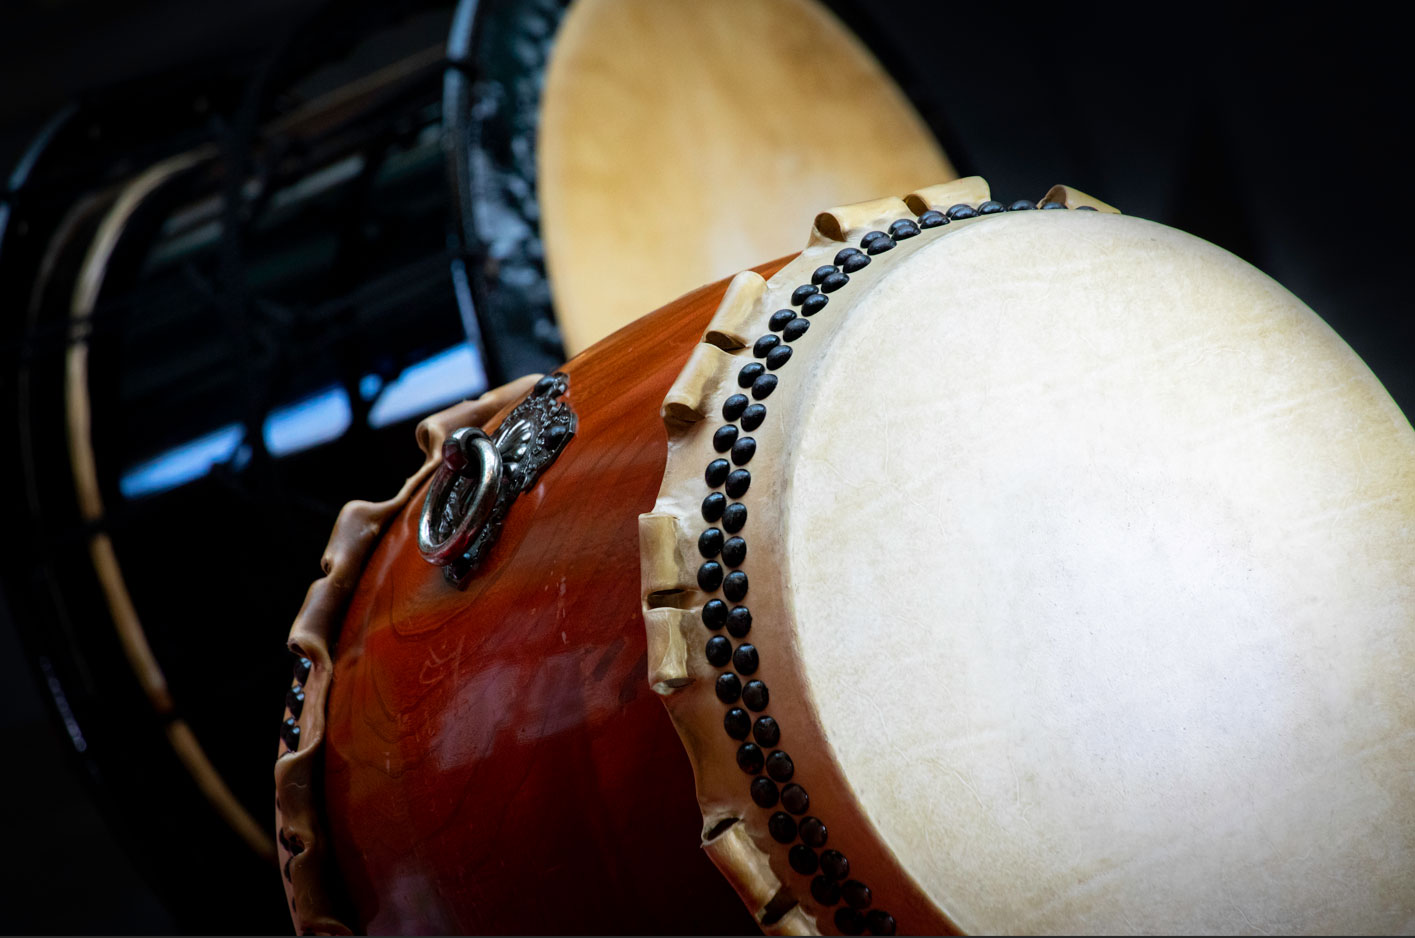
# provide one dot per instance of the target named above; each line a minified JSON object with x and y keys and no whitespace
{"x":1057,"y":575}
{"x":1004,"y":567}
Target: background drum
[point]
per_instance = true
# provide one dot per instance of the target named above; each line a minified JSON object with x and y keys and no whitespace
{"x":1013,"y":568}
{"x":742,"y":115}
{"x":231,"y":292}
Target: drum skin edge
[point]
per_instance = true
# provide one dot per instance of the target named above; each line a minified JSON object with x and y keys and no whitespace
{"x":754,"y":840}
{"x":315,"y":890}
{"x":758,"y":865}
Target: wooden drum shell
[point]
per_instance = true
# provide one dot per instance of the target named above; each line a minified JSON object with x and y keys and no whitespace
{"x":494,"y":760}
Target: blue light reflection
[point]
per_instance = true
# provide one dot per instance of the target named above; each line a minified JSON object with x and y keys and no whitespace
{"x":433,"y":383}
{"x":181,"y":464}
{"x":448,"y":376}
{"x":317,"y":419}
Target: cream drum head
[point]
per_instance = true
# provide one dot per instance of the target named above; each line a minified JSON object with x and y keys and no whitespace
{"x":1038,"y":571}
{"x":680,"y":142}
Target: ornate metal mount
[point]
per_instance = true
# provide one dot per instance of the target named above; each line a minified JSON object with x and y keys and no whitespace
{"x":481,"y":476}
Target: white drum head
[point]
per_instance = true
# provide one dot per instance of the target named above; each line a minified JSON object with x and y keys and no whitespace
{"x":1093,"y":553}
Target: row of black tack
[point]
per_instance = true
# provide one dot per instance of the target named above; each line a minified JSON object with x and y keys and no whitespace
{"x":833,"y":882}
{"x":290,"y":733}
{"x":722,"y":547}
{"x":295,"y":703}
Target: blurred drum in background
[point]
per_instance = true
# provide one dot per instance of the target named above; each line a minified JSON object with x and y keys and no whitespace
{"x":1004,"y":567}
{"x":234,"y":289}
{"x":681,"y":142}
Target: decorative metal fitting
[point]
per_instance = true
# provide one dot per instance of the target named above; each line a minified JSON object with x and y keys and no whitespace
{"x":481,"y":476}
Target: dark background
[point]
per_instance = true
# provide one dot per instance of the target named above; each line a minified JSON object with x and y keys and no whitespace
{"x":1274,"y":131}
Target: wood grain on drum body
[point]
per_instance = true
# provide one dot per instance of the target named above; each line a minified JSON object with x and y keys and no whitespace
{"x":318,"y":903}
{"x":495,"y":761}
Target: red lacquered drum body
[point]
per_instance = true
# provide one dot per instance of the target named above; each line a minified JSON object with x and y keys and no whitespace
{"x":494,"y":759}
{"x":1081,"y":587}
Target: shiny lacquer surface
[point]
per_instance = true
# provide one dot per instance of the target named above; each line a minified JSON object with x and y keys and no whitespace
{"x":496,"y":760}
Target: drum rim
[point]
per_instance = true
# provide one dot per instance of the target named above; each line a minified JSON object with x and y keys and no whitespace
{"x":678,"y":583}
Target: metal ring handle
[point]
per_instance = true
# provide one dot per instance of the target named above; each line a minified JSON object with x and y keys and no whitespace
{"x":468,"y":453}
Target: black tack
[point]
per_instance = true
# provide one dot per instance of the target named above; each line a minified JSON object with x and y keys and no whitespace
{"x":802,"y":859}
{"x":734,"y":516}
{"x":814,"y":303}
{"x":749,"y":373}
{"x":835,"y":865}
{"x":725,"y":436}
{"x":753,"y":416}
{"x":756,"y":696}
{"x":821,"y":273}
{"x":295,"y":699}
{"x":715,"y":614}
{"x":844,"y":254}
{"x":780,"y":767}
{"x":732,"y":407}
{"x":856,"y":893}
{"x":764,"y":792}
{"x":813,"y":831}
{"x":739,"y":622}
{"x":710,"y":543}
{"x":749,"y":758}
{"x":932,"y":219}
{"x":737,"y":723}
{"x":794,"y":798}
{"x":1052,"y":205}
{"x":825,"y":891}
{"x":765,"y":344}
{"x":835,"y":281}
{"x":779,"y":356}
{"x":713,"y":506}
{"x":290,"y":732}
{"x":857,"y":261}
{"x":794,"y":330}
{"x":779,"y":319}
{"x":745,"y":659}
{"x":880,"y":923}
{"x":734,"y":586}
{"x":728,"y":687}
{"x":1022,"y":205}
{"x":798,"y":295}
{"x":903,"y":228}
{"x":734,"y":551}
{"x":302,"y":669}
{"x":716,"y":473}
{"x":1085,"y":208}
{"x":710,"y":577}
{"x":961,"y":211}
{"x":880,"y":246}
{"x":738,"y":482}
{"x":991,"y":207}
{"x":763,"y":386}
{"x":767,"y":733}
{"x":849,"y":922}
{"x":870,"y":237}
{"x":718,"y":651}
{"x":782,"y":827}
{"x":743,"y":450}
